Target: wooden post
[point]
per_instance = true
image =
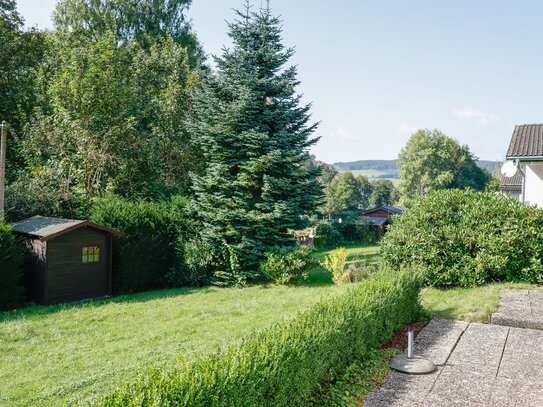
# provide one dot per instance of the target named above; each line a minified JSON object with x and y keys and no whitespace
{"x":3,"y":146}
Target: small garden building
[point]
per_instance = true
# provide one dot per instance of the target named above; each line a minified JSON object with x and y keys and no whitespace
{"x":381,"y":217}
{"x":69,"y":260}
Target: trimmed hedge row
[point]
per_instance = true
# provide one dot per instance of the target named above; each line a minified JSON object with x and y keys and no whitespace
{"x":467,"y":238}
{"x":11,"y":269}
{"x":143,"y":258}
{"x":285,"y":365}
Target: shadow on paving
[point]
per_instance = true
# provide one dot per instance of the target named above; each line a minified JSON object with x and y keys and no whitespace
{"x":478,"y":365}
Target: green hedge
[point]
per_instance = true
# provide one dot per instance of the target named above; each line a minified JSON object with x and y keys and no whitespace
{"x":286,"y":364}
{"x":11,"y":269}
{"x":467,"y":238}
{"x":332,"y":235}
{"x":147,"y":252}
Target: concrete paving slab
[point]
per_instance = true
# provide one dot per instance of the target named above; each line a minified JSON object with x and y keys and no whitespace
{"x":516,"y":392}
{"x":465,"y":383}
{"x":488,"y":365}
{"x":480,"y":344}
{"x":409,"y":387}
{"x":520,"y":308}
{"x":437,"y":340}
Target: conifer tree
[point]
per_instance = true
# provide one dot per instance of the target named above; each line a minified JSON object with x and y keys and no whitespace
{"x":254,"y":135}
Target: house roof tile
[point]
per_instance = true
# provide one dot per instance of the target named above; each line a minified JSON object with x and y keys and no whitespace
{"x":526,"y":142}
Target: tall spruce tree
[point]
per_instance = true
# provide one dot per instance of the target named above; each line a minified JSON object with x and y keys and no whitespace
{"x":254,"y":135}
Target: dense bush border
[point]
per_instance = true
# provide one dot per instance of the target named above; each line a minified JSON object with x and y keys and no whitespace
{"x":285,"y":365}
{"x":467,"y":238}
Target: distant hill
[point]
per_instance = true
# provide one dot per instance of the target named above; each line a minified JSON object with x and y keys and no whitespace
{"x":388,"y":169}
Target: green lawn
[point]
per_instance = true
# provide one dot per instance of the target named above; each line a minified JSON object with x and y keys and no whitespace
{"x":55,"y":355}
{"x":466,"y":304}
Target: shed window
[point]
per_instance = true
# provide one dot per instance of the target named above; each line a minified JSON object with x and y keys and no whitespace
{"x":90,"y":254}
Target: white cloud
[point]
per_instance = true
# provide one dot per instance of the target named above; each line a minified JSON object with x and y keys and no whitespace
{"x":343,"y":134}
{"x":481,"y":119}
{"x":407,"y":128}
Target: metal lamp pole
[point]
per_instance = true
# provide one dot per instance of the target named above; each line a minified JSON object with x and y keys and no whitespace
{"x":3,"y":146}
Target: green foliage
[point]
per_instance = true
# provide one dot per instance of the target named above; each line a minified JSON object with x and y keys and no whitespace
{"x":359,"y":379}
{"x":147,"y":252}
{"x":334,"y":234}
{"x":357,"y":233}
{"x":21,"y":52}
{"x":194,"y":264}
{"x":11,"y":269}
{"x":285,"y":365}
{"x":432,"y":161}
{"x":254,"y":136}
{"x":468,"y":238}
{"x":383,"y":193}
{"x":286,"y":265}
{"x":327,"y":235}
{"x":335,"y":263}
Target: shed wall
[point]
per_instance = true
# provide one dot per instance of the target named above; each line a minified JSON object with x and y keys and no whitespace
{"x":68,"y":278}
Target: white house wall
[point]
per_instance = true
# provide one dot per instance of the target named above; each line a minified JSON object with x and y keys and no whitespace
{"x":533,"y":187}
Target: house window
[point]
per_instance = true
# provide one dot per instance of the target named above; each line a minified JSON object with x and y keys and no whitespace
{"x":90,"y":254}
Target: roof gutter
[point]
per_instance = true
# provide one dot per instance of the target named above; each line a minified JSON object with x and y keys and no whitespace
{"x":525,"y":158}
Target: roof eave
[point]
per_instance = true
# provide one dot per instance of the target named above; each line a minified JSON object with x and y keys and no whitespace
{"x":525,"y":158}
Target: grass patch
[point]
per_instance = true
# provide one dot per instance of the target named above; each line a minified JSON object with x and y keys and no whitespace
{"x":319,"y":276}
{"x":63,"y":354}
{"x":467,"y":304}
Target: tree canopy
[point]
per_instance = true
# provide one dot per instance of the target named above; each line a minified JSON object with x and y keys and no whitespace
{"x":254,"y":135}
{"x":432,"y":161}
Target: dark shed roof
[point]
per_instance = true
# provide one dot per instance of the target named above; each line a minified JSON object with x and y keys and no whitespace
{"x":45,"y":228}
{"x":513,"y":183}
{"x":393,"y":210}
{"x":526,"y":142}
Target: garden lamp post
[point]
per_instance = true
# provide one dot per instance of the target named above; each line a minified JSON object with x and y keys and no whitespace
{"x":3,"y":141}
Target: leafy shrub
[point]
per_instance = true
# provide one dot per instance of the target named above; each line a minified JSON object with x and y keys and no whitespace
{"x":147,"y":252}
{"x":332,"y":235}
{"x":194,"y":264}
{"x":335,"y":262}
{"x":356,"y":272}
{"x":11,"y":269}
{"x":328,"y":234}
{"x":286,"y":265}
{"x":286,"y":364}
{"x":358,"y":233}
{"x":467,"y":238}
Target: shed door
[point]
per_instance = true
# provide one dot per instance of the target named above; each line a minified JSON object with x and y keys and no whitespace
{"x":77,"y":266}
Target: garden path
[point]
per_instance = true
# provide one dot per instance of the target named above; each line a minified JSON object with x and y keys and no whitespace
{"x":478,"y":365}
{"x":520,"y":308}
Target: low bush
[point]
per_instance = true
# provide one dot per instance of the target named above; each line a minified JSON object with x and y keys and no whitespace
{"x":286,"y":364}
{"x":11,"y":269}
{"x":286,"y":265}
{"x":335,"y":262}
{"x":332,"y":235}
{"x":328,"y":235}
{"x":194,"y":264}
{"x":358,"y":233}
{"x":147,"y":252}
{"x":356,"y":272}
{"x":467,"y":238}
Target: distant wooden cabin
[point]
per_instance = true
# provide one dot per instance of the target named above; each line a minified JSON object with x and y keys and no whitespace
{"x":69,"y":260}
{"x":381,"y":217}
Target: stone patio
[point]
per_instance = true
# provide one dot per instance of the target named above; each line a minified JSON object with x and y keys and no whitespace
{"x":520,"y":308}
{"x":478,"y":365}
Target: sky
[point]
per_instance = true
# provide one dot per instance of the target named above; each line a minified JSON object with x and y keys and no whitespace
{"x":376,"y":71}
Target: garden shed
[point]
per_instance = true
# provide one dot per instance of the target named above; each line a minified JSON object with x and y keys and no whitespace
{"x":69,"y":260}
{"x":381,"y":217}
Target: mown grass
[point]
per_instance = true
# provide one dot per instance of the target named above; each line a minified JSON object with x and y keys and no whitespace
{"x":50,"y":356}
{"x":319,"y":276}
{"x":467,"y":304}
